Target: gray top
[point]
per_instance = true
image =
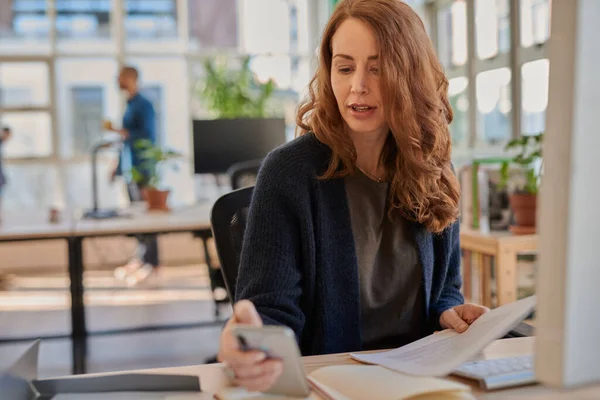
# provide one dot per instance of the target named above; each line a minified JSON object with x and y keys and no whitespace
{"x":390,"y":274}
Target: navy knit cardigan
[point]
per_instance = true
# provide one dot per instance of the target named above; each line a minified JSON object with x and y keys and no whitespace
{"x":299,"y":266}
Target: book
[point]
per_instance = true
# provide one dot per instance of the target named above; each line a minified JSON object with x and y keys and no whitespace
{"x":365,"y":382}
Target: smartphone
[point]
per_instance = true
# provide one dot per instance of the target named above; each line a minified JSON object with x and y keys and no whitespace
{"x":277,"y":342}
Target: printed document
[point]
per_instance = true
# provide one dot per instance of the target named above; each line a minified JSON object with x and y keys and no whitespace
{"x":440,"y":353}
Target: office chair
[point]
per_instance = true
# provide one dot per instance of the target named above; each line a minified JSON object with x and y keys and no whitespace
{"x":244,"y":174}
{"x":228,"y":221}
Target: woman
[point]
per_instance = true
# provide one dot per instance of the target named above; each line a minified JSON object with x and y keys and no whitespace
{"x":352,"y":238}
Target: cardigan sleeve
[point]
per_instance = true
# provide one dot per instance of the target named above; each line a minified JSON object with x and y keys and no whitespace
{"x":450,"y":295}
{"x":270,"y":267}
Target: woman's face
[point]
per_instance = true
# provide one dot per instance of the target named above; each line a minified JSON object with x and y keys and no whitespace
{"x":355,"y":78}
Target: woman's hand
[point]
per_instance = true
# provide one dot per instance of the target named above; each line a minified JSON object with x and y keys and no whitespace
{"x":250,"y":369}
{"x":460,"y":317}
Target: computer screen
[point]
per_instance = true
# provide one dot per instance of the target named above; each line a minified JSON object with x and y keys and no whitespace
{"x":220,"y":143}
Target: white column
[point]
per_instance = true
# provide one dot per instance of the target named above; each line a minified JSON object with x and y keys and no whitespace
{"x":568,"y":319}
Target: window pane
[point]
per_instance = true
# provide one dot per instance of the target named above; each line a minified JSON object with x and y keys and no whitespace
{"x":83,"y":25}
{"x":271,"y":31}
{"x":86,"y":88}
{"x":24,"y":26}
{"x":213,"y":24}
{"x":31,"y":134}
{"x":31,"y":187}
{"x":535,"y":21}
{"x":88,"y":114}
{"x":494,"y":105}
{"x":492,"y":25}
{"x":78,"y":181}
{"x":150,"y":19}
{"x":459,"y":100}
{"x":24,"y":84}
{"x":535,"y":96}
{"x":452,"y":34}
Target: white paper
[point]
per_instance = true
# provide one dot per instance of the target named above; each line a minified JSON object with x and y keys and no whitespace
{"x":439,"y":354}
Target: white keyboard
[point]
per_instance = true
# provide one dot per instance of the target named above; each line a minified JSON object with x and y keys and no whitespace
{"x":499,"y":373}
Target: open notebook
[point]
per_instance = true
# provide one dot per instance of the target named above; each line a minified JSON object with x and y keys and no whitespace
{"x":366,"y":382}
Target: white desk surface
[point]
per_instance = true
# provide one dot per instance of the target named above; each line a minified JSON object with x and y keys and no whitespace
{"x":139,"y":220}
{"x":33,"y":225}
{"x":212,"y":378}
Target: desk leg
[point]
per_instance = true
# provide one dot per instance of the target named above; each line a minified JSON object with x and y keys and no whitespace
{"x":78,"y":329}
{"x":506,"y":276}
{"x":467,"y":272}
{"x":212,"y":272}
{"x":486,"y":281}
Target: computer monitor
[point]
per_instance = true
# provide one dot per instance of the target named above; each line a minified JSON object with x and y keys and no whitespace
{"x":221,"y":143}
{"x":568,"y":277}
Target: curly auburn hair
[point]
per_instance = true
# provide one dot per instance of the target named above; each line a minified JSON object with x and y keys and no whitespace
{"x":416,"y":155}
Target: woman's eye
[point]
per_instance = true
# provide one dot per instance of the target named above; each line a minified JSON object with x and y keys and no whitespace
{"x":375,"y":70}
{"x":344,"y":70}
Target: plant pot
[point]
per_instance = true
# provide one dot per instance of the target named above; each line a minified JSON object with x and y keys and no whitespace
{"x":524,"y":207}
{"x":156,"y":199}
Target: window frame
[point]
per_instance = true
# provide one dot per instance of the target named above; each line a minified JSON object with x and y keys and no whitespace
{"x":513,"y":60}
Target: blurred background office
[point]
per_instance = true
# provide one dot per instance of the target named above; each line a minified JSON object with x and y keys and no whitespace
{"x":59,"y":62}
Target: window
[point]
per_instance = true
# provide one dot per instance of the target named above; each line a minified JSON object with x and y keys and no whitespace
{"x":24,"y":27}
{"x":452,"y":34}
{"x":88,"y":114}
{"x":83,"y":18}
{"x":480,"y":70}
{"x":88,"y":94}
{"x":494,"y":105}
{"x":31,"y":134}
{"x":492,"y":23}
{"x":458,"y":97}
{"x":535,"y":22}
{"x":84,"y":26}
{"x":535,"y":76}
{"x":31,"y":186}
{"x":55,"y":95}
{"x":150,"y":19}
{"x":212,"y":24}
{"x":24,"y":84}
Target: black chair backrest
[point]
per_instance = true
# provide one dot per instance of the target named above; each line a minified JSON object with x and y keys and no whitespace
{"x":244,"y":174}
{"x":228,"y":220}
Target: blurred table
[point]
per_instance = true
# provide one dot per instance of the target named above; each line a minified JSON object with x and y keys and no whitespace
{"x":502,"y":247}
{"x":135,"y":220}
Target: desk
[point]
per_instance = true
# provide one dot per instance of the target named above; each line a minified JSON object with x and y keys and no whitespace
{"x":212,"y":378}
{"x":503,"y":247}
{"x":137,"y":220}
{"x":32,"y":226}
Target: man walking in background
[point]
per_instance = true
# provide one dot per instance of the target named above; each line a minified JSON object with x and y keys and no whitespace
{"x":139,"y":122}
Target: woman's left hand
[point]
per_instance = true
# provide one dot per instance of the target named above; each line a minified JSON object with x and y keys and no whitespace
{"x":460,"y":317}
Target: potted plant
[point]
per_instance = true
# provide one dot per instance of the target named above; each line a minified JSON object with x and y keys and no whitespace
{"x":234,"y":93}
{"x":523,"y":200}
{"x":155,"y":160}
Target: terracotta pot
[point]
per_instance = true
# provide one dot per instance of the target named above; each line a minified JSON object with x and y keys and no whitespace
{"x":156,"y":199}
{"x":524,"y":207}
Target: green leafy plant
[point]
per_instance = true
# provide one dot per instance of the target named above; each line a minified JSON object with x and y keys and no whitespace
{"x":529,"y":158}
{"x":155,"y":159}
{"x":234,"y":93}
